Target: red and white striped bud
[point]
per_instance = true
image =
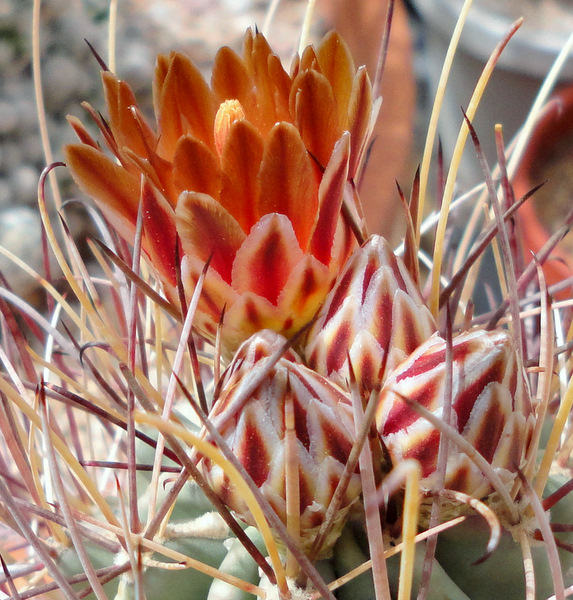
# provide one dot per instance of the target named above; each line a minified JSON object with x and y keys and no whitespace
{"x":252,"y":422}
{"x":491,"y":409}
{"x":374,"y":314}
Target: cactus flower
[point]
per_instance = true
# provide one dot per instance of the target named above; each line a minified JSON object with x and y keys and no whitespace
{"x":253,"y":425}
{"x":249,"y":172}
{"x":491,"y":408}
{"x":374,"y":314}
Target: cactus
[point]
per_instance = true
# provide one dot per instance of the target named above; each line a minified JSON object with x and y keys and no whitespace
{"x":253,"y":398}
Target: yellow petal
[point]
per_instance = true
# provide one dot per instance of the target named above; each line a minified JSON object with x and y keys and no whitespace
{"x":248,"y":314}
{"x":303,"y":293}
{"x":230,"y":111}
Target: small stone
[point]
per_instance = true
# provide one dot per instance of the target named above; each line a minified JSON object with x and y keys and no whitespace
{"x":136,"y":64}
{"x":75,"y":26}
{"x":8,"y":117}
{"x":32,"y":151}
{"x":7,"y":55}
{"x":64,"y":80}
{"x":20,"y":232}
{"x":10,"y":156}
{"x":25,"y":184}
{"x":6,"y":194}
{"x":27,"y":113}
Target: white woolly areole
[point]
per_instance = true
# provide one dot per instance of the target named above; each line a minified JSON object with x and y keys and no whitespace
{"x":296,"y":593}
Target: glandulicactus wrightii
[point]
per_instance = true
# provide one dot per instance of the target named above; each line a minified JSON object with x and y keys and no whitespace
{"x":245,"y":394}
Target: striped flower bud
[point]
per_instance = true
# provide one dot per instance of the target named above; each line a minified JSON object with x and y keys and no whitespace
{"x":374,"y":314}
{"x":491,"y":409}
{"x":252,"y":422}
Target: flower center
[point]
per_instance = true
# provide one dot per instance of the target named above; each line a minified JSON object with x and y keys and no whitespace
{"x":229,"y":112}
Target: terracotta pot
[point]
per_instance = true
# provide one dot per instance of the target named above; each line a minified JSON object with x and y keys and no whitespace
{"x":548,"y":157}
{"x":361,"y":24}
{"x":516,"y":79}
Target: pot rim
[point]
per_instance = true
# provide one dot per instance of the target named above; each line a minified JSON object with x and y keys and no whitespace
{"x":531,"y":51}
{"x":555,"y":123}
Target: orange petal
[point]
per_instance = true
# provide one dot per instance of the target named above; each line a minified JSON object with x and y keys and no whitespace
{"x":288,"y":182}
{"x":230,"y":79}
{"x":129,"y":130}
{"x":114,"y":189}
{"x":256,"y":52}
{"x":359,"y":118}
{"x":337,"y":66}
{"x":330,"y":196}
{"x":282,"y":84}
{"x":216,"y":294}
{"x":161,"y":70}
{"x":196,"y":168}
{"x":186,"y":106}
{"x":257,"y":64}
{"x":267,"y":257}
{"x":160,"y":232}
{"x":170,"y":125}
{"x":155,"y":168}
{"x":294,"y":66}
{"x":105,"y":131}
{"x":248,"y":49}
{"x":316,"y":114}
{"x":208,"y":230}
{"x":81,"y":131}
{"x":241,"y":161}
{"x":308,"y":60}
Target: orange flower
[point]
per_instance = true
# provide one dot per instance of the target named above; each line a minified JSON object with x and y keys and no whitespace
{"x":250,"y":171}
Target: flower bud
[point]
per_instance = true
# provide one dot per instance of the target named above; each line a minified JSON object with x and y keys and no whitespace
{"x":374,"y":314}
{"x":229,"y":112}
{"x":252,"y":422}
{"x":491,"y":409}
